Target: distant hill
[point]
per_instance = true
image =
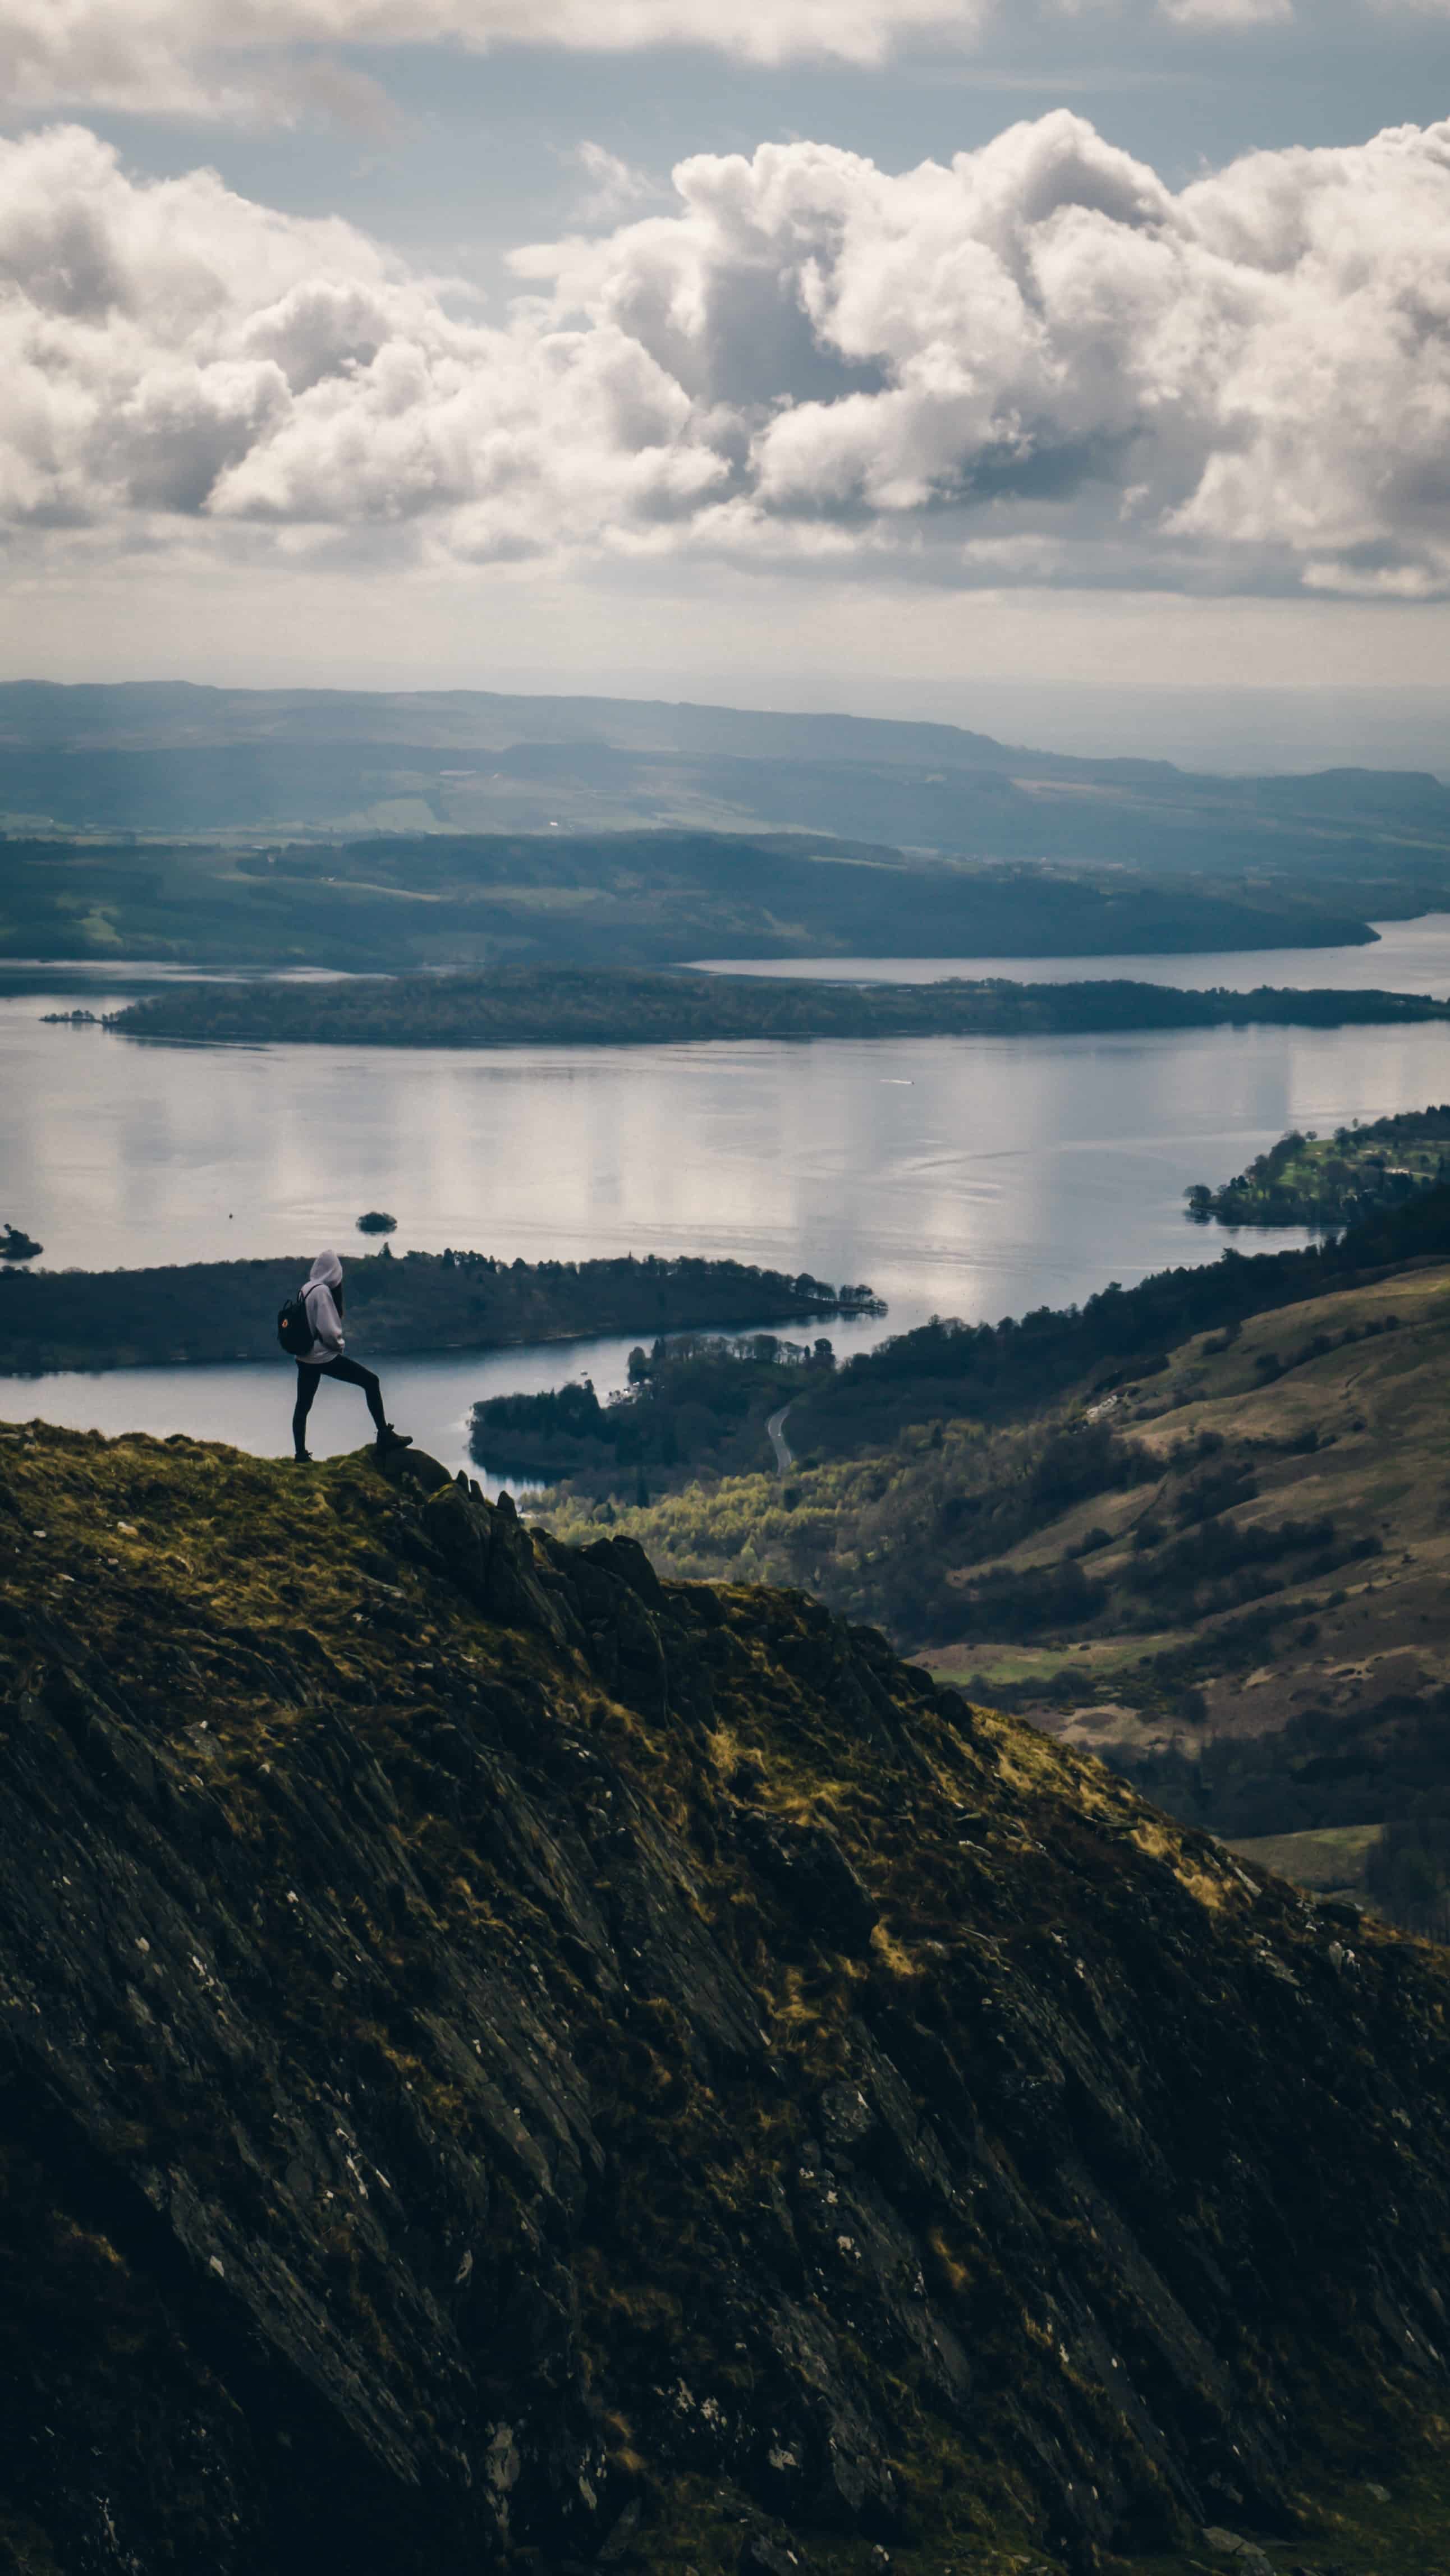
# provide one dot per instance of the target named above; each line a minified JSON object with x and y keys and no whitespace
{"x":641,"y":898}
{"x":164,"y":758}
{"x":173,"y":715}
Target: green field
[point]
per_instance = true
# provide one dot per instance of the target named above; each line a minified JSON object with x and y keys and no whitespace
{"x":1329,"y":1863}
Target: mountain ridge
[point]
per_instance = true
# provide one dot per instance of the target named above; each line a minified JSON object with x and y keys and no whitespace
{"x":432,"y":1957}
{"x":47,"y":711}
{"x":159,"y":757}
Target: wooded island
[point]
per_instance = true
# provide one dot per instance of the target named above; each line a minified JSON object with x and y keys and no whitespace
{"x":227,"y":1310}
{"x":569,"y":1006}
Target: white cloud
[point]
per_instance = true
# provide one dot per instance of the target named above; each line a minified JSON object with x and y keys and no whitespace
{"x":615,"y":186}
{"x":1039,"y":364}
{"x":277,"y":60}
{"x":199,"y":57}
{"x":1227,"y":13}
{"x":174,"y":352}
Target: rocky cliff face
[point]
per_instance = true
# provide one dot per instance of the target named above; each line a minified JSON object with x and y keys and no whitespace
{"x":506,"y":2064}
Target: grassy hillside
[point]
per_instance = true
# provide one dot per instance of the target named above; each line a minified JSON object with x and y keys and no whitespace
{"x":1332,"y":1863}
{"x":635,"y":898}
{"x":1272,"y":1597}
{"x":1196,"y":1495}
{"x":510,"y":2066}
{"x":1224,"y":1564}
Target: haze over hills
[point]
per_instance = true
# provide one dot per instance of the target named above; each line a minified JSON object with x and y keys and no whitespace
{"x":167,"y":757}
{"x":335,"y":828}
{"x":173,"y":714}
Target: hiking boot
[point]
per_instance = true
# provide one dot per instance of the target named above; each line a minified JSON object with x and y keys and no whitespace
{"x":303,"y":1458}
{"x":389,"y":1439}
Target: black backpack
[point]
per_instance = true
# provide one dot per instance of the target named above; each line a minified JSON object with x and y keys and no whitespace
{"x":294,"y":1327}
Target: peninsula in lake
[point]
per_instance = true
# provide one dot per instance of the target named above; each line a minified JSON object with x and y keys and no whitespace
{"x":1336,"y":1180}
{"x":207,"y":1311}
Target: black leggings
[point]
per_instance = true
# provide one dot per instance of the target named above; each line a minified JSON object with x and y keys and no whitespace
{"x":348,"y":1371}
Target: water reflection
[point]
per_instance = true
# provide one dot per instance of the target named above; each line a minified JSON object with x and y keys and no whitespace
{"x":973,"y":1176}
{"x":1407,"y":957}
{"x":249,"y":1404}
{"x":978,"y":1177}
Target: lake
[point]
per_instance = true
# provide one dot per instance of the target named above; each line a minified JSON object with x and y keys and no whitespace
{"x":1406,"y":957}
{"x":250,"y":1404}
{"x":977,"y":1177}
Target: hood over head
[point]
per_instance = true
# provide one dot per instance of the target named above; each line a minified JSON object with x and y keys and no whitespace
{"x":326,"y":1271}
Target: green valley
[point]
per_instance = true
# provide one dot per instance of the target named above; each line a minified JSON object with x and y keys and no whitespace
{"x":697,"y":1401}
{"x":1202,"y":1529}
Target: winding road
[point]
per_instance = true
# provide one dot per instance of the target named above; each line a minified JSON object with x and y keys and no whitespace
{"x":784,"y":1454}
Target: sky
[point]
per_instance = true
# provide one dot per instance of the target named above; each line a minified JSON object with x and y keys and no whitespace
{"x":1085,"y":360}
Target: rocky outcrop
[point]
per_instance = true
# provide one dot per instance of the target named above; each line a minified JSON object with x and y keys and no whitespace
{"x":506,"y":2063}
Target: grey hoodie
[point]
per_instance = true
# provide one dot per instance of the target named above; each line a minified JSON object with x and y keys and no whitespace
{"x":322,"y":1314}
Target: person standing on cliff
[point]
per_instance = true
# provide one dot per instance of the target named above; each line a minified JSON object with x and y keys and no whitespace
{"x":322,"y":1303}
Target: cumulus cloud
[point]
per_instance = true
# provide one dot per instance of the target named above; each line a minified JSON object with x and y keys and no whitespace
{"x":1037,"y":364}
{"x":174,"y":351}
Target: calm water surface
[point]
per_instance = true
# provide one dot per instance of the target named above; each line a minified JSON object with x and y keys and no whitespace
{"x":977,"y":1177}
{"x":1407,"y":957}
{"x":250,"y":1404}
